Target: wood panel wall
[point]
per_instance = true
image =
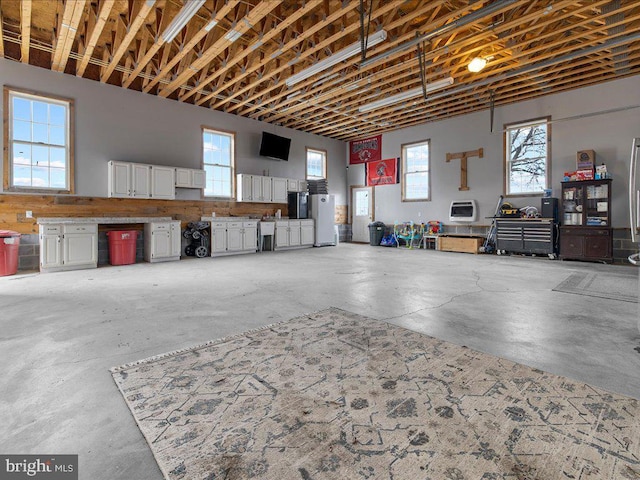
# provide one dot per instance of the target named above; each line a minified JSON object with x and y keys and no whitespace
{"x":13,"y":209}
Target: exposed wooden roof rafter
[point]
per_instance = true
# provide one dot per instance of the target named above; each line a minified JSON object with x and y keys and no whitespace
{"x":140,"y":12}
{"x":25,"y":29}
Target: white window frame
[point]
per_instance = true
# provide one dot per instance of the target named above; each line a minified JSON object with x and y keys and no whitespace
{"x":229,"y":168}
{"x":406,"y":173}
{"x":509,"y":130}
{"x":9,"y":184}
{"x":323,"y":154}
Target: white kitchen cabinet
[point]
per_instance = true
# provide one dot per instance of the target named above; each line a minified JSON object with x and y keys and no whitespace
{"x":198,"y":178}
{"x":253,"y":188}
{"x":129,"y":180}
{"x":190,"y":178}
{"x":119,"y":179}
{"x":163,"y":182}
{"x":234,"y":236}
{"x":244,"y":187}
{"x":250,"y":236}
{"x":68,"y":247}
{"x":294,"y":185}
{"x":294,"y":234}
{"x":140,"y":180}
{"x":218,"y":238}
{"x":261,"y":188}
{"x":230,"y":237}
{"x":279,"y":190}
{"x":282,"y":234}
{"x":307,"y":232}
{"x":162,"y":241}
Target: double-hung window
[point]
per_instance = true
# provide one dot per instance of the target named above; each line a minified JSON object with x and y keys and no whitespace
{"x":415,"y":171}
{"x":316,"y":164}
{"x":39,"y":133}
{"x":527,"y":159}
{"x":218,"y":154}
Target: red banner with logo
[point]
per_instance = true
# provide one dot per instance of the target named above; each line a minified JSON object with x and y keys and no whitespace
{"x":365,"y":150}
{"x":382,"y":172}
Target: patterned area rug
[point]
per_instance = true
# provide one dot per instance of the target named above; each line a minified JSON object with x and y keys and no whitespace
{"x":334,"y":395}
{"x":602,"y":285}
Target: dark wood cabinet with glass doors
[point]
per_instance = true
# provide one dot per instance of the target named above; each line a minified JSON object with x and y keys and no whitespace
{"x":585,"y":233}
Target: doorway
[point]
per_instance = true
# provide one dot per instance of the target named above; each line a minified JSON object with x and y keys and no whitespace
{"x":362,"y":213}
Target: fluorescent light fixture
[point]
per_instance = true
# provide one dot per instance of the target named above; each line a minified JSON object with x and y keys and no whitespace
{"x":211,"y":24}
{"x":416,"y":92}
{"x":233,"y":35}
{"x":189,"y":9}
{"x":477,"y":64}
{"x":340,"y":56}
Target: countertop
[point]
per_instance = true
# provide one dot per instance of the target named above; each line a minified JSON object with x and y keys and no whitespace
{"x":101,"y":220}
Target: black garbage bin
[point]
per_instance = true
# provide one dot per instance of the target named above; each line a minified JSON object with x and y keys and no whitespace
{"x":376,"y":232}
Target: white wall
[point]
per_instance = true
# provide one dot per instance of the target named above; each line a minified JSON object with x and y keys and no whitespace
{"x":610,"y":135}
{"x":113,"y":123}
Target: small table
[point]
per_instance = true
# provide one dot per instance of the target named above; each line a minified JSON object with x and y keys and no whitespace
{"x":430,"y":241}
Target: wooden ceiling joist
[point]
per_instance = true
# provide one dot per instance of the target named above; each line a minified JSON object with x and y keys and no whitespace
{"x":245,"y":24}
{"x":95,"y":26}
{"x":140,"y":12}
{"x":247,"y":75}
{"x":166,"y":66}
{"x":73,"y":11}
{"x":264,"y":38}
{"x":25,"y":29}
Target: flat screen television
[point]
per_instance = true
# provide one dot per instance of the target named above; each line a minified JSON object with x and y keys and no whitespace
{"x":275,"y":146}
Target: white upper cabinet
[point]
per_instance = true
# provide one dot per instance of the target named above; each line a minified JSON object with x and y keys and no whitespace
{"x":279,"y":190}
{"x":119,"y":179}
{"x":140,"y":180}
{"x":258,"y":188}
{"x":190,"y":178}
{"x":162,"y":182}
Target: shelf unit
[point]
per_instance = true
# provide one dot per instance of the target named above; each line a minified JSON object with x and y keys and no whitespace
{"x":585,"y":233}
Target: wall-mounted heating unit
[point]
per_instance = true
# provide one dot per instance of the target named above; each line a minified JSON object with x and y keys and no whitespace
{"x":463,"y":211}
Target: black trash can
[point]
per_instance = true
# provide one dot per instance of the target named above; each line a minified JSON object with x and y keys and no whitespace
{"x":376,"y":232}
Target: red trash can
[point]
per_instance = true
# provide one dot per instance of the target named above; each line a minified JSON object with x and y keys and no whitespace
{"x":122,"y":247}
{"x":9,"y":245}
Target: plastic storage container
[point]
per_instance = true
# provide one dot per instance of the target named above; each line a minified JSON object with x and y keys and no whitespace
{"x":122,"y":247}
{"x":9,"y":246}
{"x":376,"y":232}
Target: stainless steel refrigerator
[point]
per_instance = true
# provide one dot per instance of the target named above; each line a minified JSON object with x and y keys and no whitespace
{"x":323,"y":211}
{"x":298,"y":204}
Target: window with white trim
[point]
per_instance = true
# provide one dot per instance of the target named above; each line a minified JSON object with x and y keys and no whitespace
{"x":218,"y":154}
{"x":40,"y":133}
{"x":415,"y":171}
{"x":316,"y":164}
{"x":527,"y":159}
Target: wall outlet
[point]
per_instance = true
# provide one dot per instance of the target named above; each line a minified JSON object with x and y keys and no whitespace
{"x":419,"y":214}
{"x":29,"y":214}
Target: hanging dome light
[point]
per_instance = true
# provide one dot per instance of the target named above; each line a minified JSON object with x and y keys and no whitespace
{"x":477,"y":64}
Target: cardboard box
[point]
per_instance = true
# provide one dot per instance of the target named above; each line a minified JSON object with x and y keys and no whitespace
{"x":585,"y":159}
{"x":584,"y":174}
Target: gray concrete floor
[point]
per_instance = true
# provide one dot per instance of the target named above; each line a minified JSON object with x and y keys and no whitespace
{"x":61,"y":332}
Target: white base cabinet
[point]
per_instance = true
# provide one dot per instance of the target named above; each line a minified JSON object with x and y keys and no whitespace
{"x":68,"y":247}
{"x":294,"y":234}
{"x":162,"y":241}
{"x":233,"y":237}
